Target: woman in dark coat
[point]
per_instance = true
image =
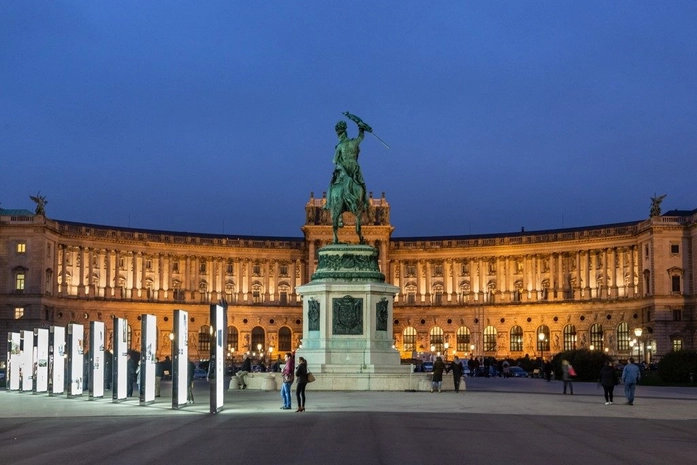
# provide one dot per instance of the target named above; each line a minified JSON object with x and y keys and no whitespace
{"x":438,"y":368}
{"x":608,"y":380}
{"x":301,"y":376}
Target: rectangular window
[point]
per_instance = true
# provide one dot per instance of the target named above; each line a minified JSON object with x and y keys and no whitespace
{"x":175,"y":267}
{"x":204,"y":340}
{"x":675,"y":284}
{"x":674,"y":249}
{"x":148,"y":264}
{"x":19,"y":312}
{"x":202,"y":267}
{"x":438,"y":270}
{"x":122,"y":263}
{"x":21,"y":247}
{"x":228,"y":270}
{"x":284,"y":298}
{"x":439,"y":298}
{"x":411,"y":298}
{"x":283,"y":270}
{"x":411,"y":270}
{"x":19,"y":282}
{"x":677,"y":344}
{"x":677,"y":314}
{"x":256,"y":297}
{"x":256,"y":269}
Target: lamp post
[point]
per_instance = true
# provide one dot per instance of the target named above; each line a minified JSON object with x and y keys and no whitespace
{"x":541,"y":337}
{"x":433,"y":349}
{"x":637,"y":333}
{"x":446,"y":345}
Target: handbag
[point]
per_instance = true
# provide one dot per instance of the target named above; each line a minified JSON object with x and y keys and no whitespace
{"x":310,"y":377}
{"x":572,"y":372}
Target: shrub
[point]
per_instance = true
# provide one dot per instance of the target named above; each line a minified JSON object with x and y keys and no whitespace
{"x":587,"y":363}
{"x":675,"y":367}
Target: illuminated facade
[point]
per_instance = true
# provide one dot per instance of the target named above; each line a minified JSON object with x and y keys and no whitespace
{"x":501,"y":295}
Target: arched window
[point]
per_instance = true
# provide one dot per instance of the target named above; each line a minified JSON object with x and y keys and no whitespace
{"x":258,"y":338}
{"x":516,"y":339}
{"x":542,"y":342}
{"x":489,"y":339}
{"x":232,"y":339}
{"x":409,"y":339}
{"x":623,"y":336}
{"x":569,"y":337}
{"x":463,"y":339}
{"x":285,"y":339}
{"x":204,"y":339}
{"x":437,"y":339}
{"x":597,"y":337}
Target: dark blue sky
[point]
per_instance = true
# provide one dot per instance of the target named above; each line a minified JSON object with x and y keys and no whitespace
{"x":219,"y":116}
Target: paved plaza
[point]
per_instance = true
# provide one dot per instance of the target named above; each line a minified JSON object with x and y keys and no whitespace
{"x":516,"y":421}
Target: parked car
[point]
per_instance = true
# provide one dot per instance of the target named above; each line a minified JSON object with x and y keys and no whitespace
{"x":200,"y":373}
{"x":427,"y":367}
{"x":517,"y":372}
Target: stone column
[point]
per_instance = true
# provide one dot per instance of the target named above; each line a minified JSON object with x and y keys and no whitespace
{"x":579,"y":276}
{"x":632,"y":289}
{"x":267,"y":282}
{"x":427,"y":280}
{"x":81,"y":271}
{"x":592,"y":270}
{"x":480,"y":279}
{"x":613,"y":273}
{"x":64,"y":270}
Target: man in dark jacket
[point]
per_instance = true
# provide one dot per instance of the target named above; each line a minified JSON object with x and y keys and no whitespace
{"x":130,"y":374}
{"x":456,"y":369}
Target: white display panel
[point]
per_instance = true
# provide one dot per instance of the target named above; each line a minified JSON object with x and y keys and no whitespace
{"x":119,"y":360}
{"x":76,"y":351}
{"x":57,"y":360}
{"x":96,"y":376}
{"x":147,"y":358}
{"x":26,"y":364}
{"x":41,"y":359}
{"x":180,"y":358}
{"x":13,"y":360}
{"x":217,"y":358}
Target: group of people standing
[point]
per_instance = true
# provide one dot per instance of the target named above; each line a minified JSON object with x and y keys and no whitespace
{"x":289,"y":374}
{"x":455,"y":367}
{"x":608,"y":379}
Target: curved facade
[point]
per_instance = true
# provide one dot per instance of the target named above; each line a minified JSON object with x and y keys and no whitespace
{"x":502,"y":295}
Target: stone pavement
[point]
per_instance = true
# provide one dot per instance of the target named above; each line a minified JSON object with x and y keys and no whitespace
{"x":522,"y":421}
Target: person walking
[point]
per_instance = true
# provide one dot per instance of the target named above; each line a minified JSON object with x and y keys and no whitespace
{"x":437,"y":380}
{"x":608,"y":380}
{"x":630,"y":377}
{"x":301,"y":375}
{"x":456,"y":369}
{"x":288,"y":377}
{"x":547,"y":369}
{"x":159,"y":373}
{"x":566,"y":374}
{"x":130,"y":374}
{"x":190,"y":368}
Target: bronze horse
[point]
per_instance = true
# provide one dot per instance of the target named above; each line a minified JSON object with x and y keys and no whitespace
{"x":346,"y":195}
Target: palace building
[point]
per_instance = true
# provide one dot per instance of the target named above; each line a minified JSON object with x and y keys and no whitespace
{"x":627,"y":289}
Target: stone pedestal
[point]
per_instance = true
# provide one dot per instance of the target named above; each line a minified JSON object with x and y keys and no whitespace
{"x":347,"y":319}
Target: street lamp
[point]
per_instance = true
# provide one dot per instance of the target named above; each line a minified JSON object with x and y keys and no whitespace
{"x":446,"y":345}
{"x":433,"y":349}
{"x":471,"y":350}
{"x":637,"y":333}
{"x":541,"y":337}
